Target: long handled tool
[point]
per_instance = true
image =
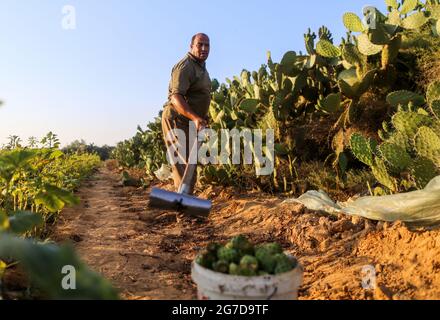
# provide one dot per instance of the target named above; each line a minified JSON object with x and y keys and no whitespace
{"x":182,"y":201}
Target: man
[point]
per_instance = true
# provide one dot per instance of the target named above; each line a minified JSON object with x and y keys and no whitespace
{"x":189,"y":97}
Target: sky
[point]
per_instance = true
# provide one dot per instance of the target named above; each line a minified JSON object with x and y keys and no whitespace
{"x":100,"y":77}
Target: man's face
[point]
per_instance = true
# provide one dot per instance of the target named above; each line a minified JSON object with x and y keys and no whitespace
{"x":200,"y":48}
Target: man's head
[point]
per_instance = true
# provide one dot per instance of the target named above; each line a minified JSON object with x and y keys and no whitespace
{"x":200,"y":46}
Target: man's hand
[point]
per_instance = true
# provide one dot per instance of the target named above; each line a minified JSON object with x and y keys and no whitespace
{"x":200,"y":123}
{"x":182,"y":107}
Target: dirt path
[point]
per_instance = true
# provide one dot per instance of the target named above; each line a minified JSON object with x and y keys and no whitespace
{"x":147,"y":253}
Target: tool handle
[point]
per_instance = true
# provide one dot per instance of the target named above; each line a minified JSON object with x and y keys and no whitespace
{"x":185,"y":184}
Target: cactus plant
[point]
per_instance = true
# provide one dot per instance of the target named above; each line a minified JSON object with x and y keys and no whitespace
{"x":408,"y":6}
{"x":403,"y":97}
{"x":352,"y":22}
{"x":433,"y":92}
{"x":414,"y":21}
{"x":362,"y":149}
{"x":366,"y":47}
{"x":395,"y":156}
{"x":423,"y":171}
{"x":330,"y":104}
{"x":427,"y":144}
{"x":392,"y":3}
{"x":408,"y":123}
{"x":390,"y":51}
{"x":326,"y":49}
{"x":380,"y":172}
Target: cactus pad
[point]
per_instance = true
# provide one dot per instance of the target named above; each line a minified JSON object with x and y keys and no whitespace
{"x":352,"y":22}
{"x":395,"y":156}
{"x":408,"y":6}
{"x":414,"y":21}
{"x":361,"y":149}
{"x":427,"y":144}
{"x":326,"y":49}
{"x":422,"y":171}
{"x":366,"y":47}
{"x":403,"y":97}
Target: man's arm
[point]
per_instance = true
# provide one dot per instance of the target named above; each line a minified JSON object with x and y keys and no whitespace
{"x":184,"y":109}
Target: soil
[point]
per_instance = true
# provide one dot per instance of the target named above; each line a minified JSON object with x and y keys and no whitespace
{"x":147,"y":253}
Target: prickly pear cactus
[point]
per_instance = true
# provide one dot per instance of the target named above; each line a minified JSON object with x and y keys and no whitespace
{"x":395,"y":156}
{"x":330,"y":104}
{"x":380,"y":172}
{"x":408,"y":123}
{"x":352,"y":22}
{"x":361,"y":149}
{"x":408,"y":6}
{"x":403,"y":97}
{"x":326,"y":49}
{"x":366,"y":47}
{"x":390,"y":51}
{"x":422,"y":171}
{"x":414,"y":21}
{"x":427,"y":144}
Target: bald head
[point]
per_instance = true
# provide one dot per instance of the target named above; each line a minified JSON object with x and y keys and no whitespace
{"x":200,"y":46}
{"x":199,"y":35}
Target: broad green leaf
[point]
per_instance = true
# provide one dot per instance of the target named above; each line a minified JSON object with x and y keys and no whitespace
{"x":45,"y":264}
{"x":24,"y":221}
{"x":4,"y":221}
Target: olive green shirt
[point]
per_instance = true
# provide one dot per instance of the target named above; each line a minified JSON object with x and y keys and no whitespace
{"x":190,"y":79}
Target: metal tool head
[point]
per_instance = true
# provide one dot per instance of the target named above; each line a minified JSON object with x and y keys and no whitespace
{"x":184,"y":203}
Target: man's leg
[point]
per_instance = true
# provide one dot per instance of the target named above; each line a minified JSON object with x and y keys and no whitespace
{"x":178,"y":169}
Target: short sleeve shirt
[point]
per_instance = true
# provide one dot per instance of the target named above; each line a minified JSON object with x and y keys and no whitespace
{"x":190,"y":79}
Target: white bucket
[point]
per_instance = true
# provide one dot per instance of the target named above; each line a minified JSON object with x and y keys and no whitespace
{"x":218,"y":286}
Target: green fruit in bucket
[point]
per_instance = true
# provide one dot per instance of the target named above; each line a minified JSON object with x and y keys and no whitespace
{"x":221,"y":266}
{"x":213,"y":247}
{"x":266,"y":260}
{"x":249,"y":262}
{"x":242,"y":245}
{"x":234,"y":269}
{"x":227,"y":254}
{"x":246,"y":272}
{"x":284,"y":263}
{"x":273,"y":248}
{"x":205,"y":259}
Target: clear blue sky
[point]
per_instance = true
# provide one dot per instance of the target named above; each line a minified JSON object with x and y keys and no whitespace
{"x":100,"y":81}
